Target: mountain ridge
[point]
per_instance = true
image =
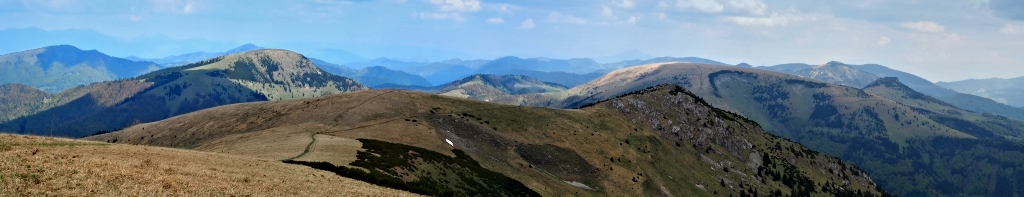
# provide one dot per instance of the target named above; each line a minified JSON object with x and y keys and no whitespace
{"x":541,"y":147}
{"x":260,"y":75}
{"x":56,"y":68}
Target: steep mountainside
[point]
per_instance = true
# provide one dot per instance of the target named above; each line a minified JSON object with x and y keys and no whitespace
{"x":874,"y":132}
{"x":19,"y":99}
{"x":646,"y":143}
{"x":1006,"y":91}
{"x":374,"y":75}
{"x":41,"y":166}
{"x":56,"y":68}
{"x":252,"y":76}
{"x":982,"y":104}
{"x":978,"y":125}
{"x":838,"y":73}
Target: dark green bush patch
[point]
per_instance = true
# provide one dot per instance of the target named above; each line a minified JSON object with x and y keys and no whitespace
{"x":423,"y":171}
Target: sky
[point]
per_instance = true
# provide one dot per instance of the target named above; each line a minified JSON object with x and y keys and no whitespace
{"x":939,"y":40}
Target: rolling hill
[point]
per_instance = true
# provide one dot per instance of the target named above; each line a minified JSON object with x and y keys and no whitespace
{"x":244,"y":77}
{"x":505,"y":89}
{"x":56,"y":68}
{"x":41,"y":166}
{"x":896,"y":134}
{"x":645,"y":143}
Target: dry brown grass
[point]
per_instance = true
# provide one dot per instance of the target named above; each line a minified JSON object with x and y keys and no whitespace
{"x":271,"y":144}
{"x":336,"y":150}
{"x":34,"y":166}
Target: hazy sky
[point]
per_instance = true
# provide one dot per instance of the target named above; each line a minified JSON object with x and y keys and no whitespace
{"x":938,"y":40}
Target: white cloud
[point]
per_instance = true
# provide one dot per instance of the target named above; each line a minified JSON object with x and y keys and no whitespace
{"x":441,"y":16}
{"x":1012,"y":29}
{"x":527,"y":24}
{"x":625,"y":4}
{"x":662,"y":4}
{"x":709,"y":6}
{"x":188,"y":8}
{"x":458,"y":5}
{"x":756,"y":7}
{"x":883,"y":41}
{"x":174,"y":6}
{"x":924,"y":26}
{"x":660,"y":15}
{"x":775,"y":19}
{"x":607,"y":13}
{"x":134,"y":17}
{"x":556,"y":17}
{"x":495,"y":20}
{"x":632,"y":20}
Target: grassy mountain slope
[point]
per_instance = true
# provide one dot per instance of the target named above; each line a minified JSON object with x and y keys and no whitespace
{"x":55,"y":68}
{"x":874,"y":132}
{"x":19,"y":99}
{"x":40,"y":166}
{"x":838,"y":73}
{"x":252,"y":76}
{"x":982,"y":104}
{"x":978,"y":125}
{"x":650,"y":142}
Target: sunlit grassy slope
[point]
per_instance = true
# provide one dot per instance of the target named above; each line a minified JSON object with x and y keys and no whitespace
{"x":41,"y":166}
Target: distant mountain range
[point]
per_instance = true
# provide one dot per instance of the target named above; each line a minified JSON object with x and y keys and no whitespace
{"x":55,"y":68}
{"x":373,"y":75}
{"x":1006,"y":91}
{"x":178,"y":60}
{"x":259,"y":75}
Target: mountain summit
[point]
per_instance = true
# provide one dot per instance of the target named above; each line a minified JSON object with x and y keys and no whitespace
{"x":260,"y":75}
{"x":56,"y":68}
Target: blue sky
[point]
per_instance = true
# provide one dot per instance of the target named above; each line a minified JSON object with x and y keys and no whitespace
{"x":938,"y":40}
